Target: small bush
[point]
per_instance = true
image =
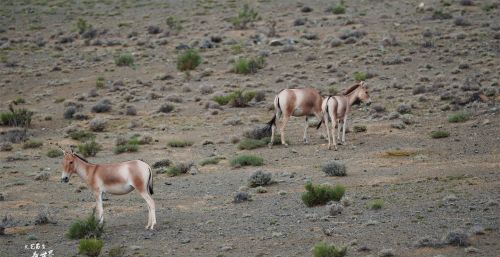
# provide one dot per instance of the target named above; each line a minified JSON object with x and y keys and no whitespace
{"x":376,"y":204}
{"x":439,"y":134}
{"x":245,"y":16}
{"x":399,"y":153}
{"x":180,"y":143}
{"x":166,"y":108}
{"x":162,"y":163}
{"x":54,"y":153}
{"x":487,"y":7}
{"x":16,"y":117}
{"x":188,"y":60}
{"x":359,"y":76}
{"x":124,"y":145}
{"x":88,"y":228}
{"x":246,"y":160}
{"x":90,"y":148}
{"x":259,"y":178}
{"x":179,"y":168}
{"x":359,"y":128}
{"x":97,"y":124}
{"x":248,"y":66}
{"x":90,"y":247}
{"x":249,"y":144}
{"x":81,"y":135}
{"x":69,"y":112}
{"x":237,"y":98}
{"x":211,"y":160}
{"x":82,"y":26}
{"x":440,"y":15}
{"x":102,"y":106}
{"x":19,"y":100}
{"x":32,"y":144}
{"x":258,"y":132}
{"x":124,"y":59}
{"x":338,"y":9}
{"x":458,"y":117}
{"x":321,"y":194}
{"x":99,"y":83}
{"x":117,"y":251}
{"x":174,"y":24}
{"x":333,"y":168}
{"x":324,"y":250}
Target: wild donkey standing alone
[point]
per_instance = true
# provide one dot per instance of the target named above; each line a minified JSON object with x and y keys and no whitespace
{"x":295,"y":102}
{"x":114,"y":178}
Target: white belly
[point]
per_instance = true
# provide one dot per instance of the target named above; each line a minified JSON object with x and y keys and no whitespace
{"x":119,"y":189}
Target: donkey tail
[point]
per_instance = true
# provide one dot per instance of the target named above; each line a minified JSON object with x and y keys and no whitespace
{"x":320,"y":122}
{"x":272,"y":122}
{"x":150,"y":182}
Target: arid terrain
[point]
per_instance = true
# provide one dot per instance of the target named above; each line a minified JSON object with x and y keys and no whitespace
{"x":424,"y":65}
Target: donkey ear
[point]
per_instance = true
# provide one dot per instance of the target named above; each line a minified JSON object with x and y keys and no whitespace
{"x":72,"y":147}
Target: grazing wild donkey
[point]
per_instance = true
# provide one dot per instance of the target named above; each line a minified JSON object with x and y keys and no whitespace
{"x":336,"y":108}
{"x":114,"y":178}
{"x":295,"y":102}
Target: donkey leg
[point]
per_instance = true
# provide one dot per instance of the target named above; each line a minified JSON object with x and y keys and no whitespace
{"x":325,"y":119}
{"x":273,"y":131}
{"x":282,"y":130}
{"x":343,"y":129}
{"x":151,"y":210}
{"x":334,"y":123}
{"x":306,"y":125}
{"x":100,"y":210}
{"x":339,"y":124}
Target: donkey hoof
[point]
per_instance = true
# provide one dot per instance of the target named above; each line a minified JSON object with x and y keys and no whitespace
{"x":306,"y":142}
{"x":270,"y":145}
{"x":285,"y":144}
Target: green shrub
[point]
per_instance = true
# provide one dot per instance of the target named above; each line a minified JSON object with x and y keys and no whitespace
{"x":99,"y":83}
{"x":248,"y":66}
{"x":174,"y":24}
{"x":245,"y":16}
{"x":440,"y":15}
{"x":90,"y":247}
{"x":88,"y":228}
{"x":322,"y":249}
{"x":81,"y":135}
{"x":249,"y":144}
{"x":246,"y":160}
{"x":54,"y":153}
{"x":321,"y":194}
{"x":90,"y":148}
{"x":125,"y":148}
{"x":333,"y":168}
{"x":211,"y":160}
{"x":180,"y":143}
{"x":179,"y":168}
{"x":359,"y":76}
{"x":458,"y":117}
{"x":188,"y":60}
{"x":376,"y":204}
{"x":19,"y":100}
{"x":117,"y":251}
{"x":124,"y":59}
{"x":439,"y":134}
{"x":172,"y":171}
{"x":487,"y":7}
{"x":359,"y":128}
{"x":16,"y":117}
{"x":238,"y":98}
{"x":32,"y":144}
{"x":82,"y":26}
{"x":338,"y":9}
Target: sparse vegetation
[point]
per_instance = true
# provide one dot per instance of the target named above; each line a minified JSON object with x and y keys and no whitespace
{"x":439,"y":134}
{"x":125,"y":59}
{"x":90,"y":148}
{"x":188,"y":60}
{"x":339,"y":8}
{"x":334,"y":168}
{"x":441,"y":15}
{"x":359,"y":76}
{"x":399,"y":153}
{"x":18,"y":101}
{"x":180,"y":143}
{"x":82,"y":26}
{"x":99,"y":83}
{"x":16,"y":117}
{"x":211,"y":160}
{"x":174,"y":24}
{"x":246,"y":160}
{"x":81,"y":135}
{"x":458,"y":117}
{"x":118,"y":251}
{"x":487,"y":7}
{"x":321,"y":194}
{"x":179,"y":168}
{"x":91,"y":247}
{"x":166,"y":108}
{"x":238,"y":98}
{"x":245,"y":16}
{"x":359,"y":128}
{"x":130,"y":145}
{"x":259,"y":178}
{"x":88,"y":228}
{"x":248,"y":66}
{"x":376,"y":204}
{"x":54,"y":153}
{"x":323,"y":249}
{"x":249,"y":144}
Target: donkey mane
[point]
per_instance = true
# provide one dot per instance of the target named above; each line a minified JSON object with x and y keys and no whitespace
{"x":81,"y":158}
{"x":351,"y":89}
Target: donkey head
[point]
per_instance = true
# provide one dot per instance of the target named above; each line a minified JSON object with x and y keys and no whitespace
{"x":68,"y":165}
{"x":362,"y":93}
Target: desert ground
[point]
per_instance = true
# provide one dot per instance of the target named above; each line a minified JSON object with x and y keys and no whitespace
{"x":424,"y":62}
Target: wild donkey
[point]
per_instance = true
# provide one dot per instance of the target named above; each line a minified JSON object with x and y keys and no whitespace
{"x":114,"y":178}
{"x":295,"y":102}
{"x":337,"y":108}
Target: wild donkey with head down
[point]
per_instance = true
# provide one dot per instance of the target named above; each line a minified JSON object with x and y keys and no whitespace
{"x":337,"y":108}
{"x":114,"y":178}
{"x":294,"y":102}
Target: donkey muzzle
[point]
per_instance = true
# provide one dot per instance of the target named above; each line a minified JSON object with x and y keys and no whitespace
{"x":65,"y":180}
